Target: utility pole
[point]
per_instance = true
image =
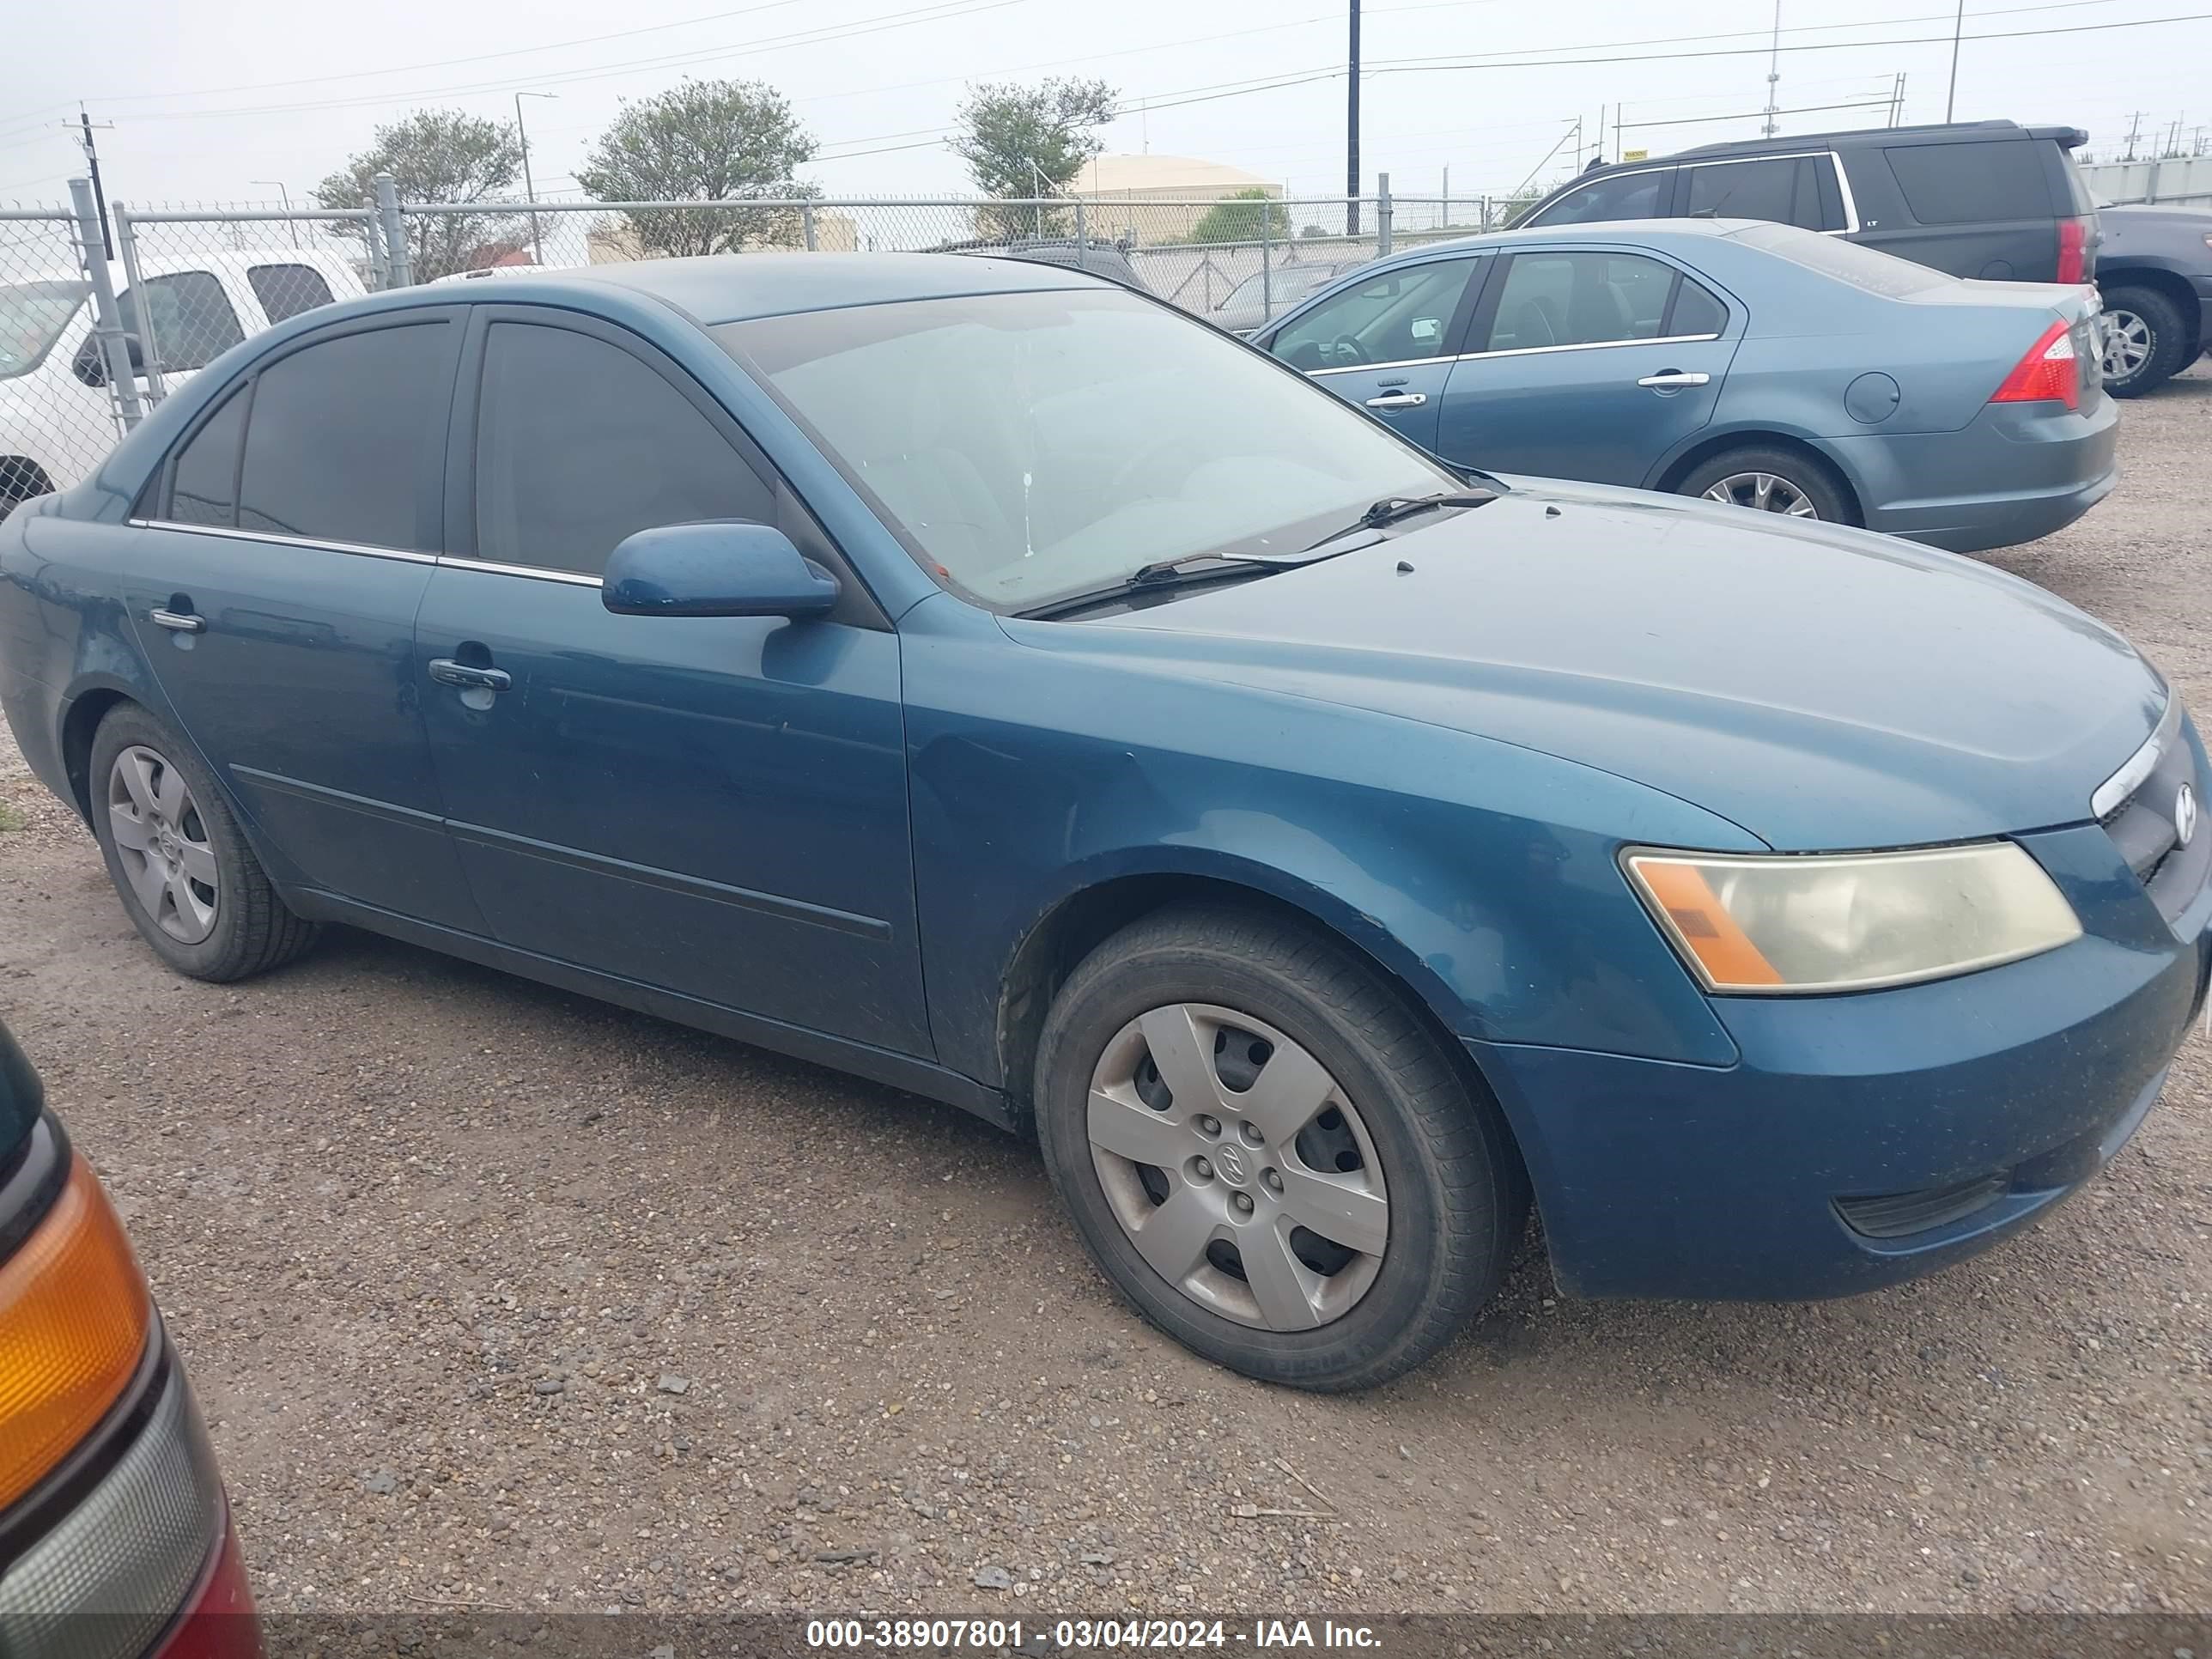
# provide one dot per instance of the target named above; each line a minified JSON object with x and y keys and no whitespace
{"x":2135,"y":126}
{"x":1958,"y":27}
{"x":1774,"y":75}
{"x":1897,"y":101}
{"x":529,"y":188}
{"x":1351,"y":132}
{"x":92,"y":160}
{"x":286,"y":196}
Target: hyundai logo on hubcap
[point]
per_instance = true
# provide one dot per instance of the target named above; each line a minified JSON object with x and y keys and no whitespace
{"x":2185,"y":814}
{"x":1231,"y":1163}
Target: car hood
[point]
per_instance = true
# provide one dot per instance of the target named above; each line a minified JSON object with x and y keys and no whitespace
{"x":1822,"y":687}
{"x":2189,"y":218}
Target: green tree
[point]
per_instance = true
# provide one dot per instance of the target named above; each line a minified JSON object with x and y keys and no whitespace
{"x":1028,"y":142}
{"x":1243,"y":218}
{"x":439,"y":155}
{"x":704,"y":141}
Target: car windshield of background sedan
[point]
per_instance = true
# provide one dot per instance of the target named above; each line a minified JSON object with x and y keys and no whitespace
{"x":1278,"y":286}
{"x":1031,"y":447}
{"x":32,"y":316}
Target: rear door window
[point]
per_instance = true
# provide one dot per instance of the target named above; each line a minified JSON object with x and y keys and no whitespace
{"x":341,"y":432}
{"x":204,"y":487}
{"x":1786,"y":190}
{"x":1620,"y":196}
{"x":1971,"y":182}
{"x":285,"y":291}
{"x":580,"y":444}
{"x":1580,"y":298}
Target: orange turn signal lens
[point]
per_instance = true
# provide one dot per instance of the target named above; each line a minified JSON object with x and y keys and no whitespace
{"x":1702,"y":923}
{"x":74,"y":1316}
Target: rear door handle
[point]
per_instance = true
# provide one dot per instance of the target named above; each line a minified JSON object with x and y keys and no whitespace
{"x":178,"y":622}
{"x":1673,"y":379}
{"x":468,"y":676}
{"x":1399,"y":400}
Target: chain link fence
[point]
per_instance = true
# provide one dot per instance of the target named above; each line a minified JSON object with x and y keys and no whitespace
{"x":183,"y":284}
{"x":60,"y":348}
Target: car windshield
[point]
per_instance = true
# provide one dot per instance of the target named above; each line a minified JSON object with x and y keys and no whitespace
{"x":32,"y":318}
{"x":1283,"y":282}
{"x":1862,"y":267}
{"x":1031,"y":447}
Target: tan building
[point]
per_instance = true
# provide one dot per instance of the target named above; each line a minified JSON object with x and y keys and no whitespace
{"x":1133,"y":196}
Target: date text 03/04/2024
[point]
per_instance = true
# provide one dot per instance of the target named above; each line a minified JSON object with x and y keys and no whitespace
{"x":986,"y":1635}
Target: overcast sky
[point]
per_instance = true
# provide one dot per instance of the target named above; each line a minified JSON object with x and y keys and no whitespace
{"x":223,"y":104}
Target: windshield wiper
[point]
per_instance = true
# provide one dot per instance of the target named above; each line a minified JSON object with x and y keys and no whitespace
{"x":1190,"y":570}
{"x":1391,"y":508}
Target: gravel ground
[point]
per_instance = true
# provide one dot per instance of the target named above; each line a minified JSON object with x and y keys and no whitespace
{"x":497,"y":1298}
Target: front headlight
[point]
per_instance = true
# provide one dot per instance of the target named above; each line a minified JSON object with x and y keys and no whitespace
{"x":1774,"y":925}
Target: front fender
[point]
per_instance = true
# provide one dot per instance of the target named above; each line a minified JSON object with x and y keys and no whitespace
{"x":1482,"y":874}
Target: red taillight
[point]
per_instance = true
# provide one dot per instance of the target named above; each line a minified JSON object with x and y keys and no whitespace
{"x":2073,"y":250}
{"x":219,"y":1622}
{"x":2049,"y":373}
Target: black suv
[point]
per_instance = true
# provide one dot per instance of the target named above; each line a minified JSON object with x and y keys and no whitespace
{"x":1978,"y":198}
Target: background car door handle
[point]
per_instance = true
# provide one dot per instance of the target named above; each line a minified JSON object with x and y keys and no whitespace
{"x":178,"y":622}
{"x":1672,"y":380}
{"x":1399,"y":400}
{"x":468,"y":678}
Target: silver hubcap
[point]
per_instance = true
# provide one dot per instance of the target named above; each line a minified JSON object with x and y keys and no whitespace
{"x":162,"y":844}
{"x":1766,"y":492}
{"x":1237,"y":1167}
{"x":2127,"y":344}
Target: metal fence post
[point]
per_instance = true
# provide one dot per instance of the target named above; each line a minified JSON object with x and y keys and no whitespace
{"x":126,"y":248}
{"x":396,"y":262}
{"x":106,"y":315}
{"x":1082,"y":235}
{"x":806,"y":225}
{"x":371,"y":242}
{"x":1267,"y":261}
{"x":1382,"y":216}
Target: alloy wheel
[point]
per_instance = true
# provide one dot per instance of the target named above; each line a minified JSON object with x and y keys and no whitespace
{"x":2127,"y":344}
{"x":162,"y":844}
{"x":1237,"y":1167}
{"x":1762,"y":492}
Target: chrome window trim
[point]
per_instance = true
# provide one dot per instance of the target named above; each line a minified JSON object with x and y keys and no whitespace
{"x":1512,"y":351}
{"x":530,"y":573}
{"x":2113,"y":792}
{"x":405,"y":556}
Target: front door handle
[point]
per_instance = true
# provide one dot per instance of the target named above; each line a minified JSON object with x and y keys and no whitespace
{"x":1673,"y":379}
{"x":1399,"y":400}
{"x":468,"y":676}
{"x":178,"y":622}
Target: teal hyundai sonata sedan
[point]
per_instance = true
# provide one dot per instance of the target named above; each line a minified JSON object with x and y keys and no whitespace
{"x":998,"y":685}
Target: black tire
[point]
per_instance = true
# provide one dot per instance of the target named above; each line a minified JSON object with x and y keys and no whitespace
{"x":1811,"y":480}
{"x":253,"y":931}
{"x":1458,"y":1196}
{"x":2169,"y":350}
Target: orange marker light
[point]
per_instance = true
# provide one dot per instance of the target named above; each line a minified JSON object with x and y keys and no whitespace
{"x":1703,"y":926}
{"x":74,"y":1315}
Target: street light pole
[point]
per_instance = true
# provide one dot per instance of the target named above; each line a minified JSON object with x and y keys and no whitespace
{"x":286,"y":196}
{"x":529,"y":187}
{"x":1958,"y":27}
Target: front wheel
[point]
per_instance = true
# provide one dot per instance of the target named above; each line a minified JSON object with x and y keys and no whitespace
{"x":2145,"y":341}
{"x":1268,"y":1155}
{"x":1768,"y":481}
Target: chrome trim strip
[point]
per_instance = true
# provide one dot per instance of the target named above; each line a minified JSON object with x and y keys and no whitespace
{"x":1510,"y":351}
{"x":2113,"y":792}
{"x":403,"y":555}
{"x":491,"y":567}
{"x":1850,"y":202}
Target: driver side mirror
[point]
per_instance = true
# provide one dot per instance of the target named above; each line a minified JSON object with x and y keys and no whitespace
{"x":724,"y":569}
{"x":91,"y":364}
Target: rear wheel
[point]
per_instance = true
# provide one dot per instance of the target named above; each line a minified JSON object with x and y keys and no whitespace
{"x":188,"y":881}
{"x":1769,"y":480}
{"x":2145,"y":341}
{"x":1268,"y":1155}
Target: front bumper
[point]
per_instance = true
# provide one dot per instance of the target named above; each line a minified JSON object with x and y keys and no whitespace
{"x":1975,"y":1104}
{"x":2016,"y":472}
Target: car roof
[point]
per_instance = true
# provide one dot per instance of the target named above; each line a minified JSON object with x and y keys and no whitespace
{"x":1650,"y":233}
{"x":734,"y":288}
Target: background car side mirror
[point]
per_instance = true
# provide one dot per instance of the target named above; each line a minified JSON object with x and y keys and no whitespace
{"x":91,"y":364}
{"x":726,"y":568}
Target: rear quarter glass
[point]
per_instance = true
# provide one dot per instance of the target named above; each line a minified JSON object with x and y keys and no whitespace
{"x":1968,"y":184}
